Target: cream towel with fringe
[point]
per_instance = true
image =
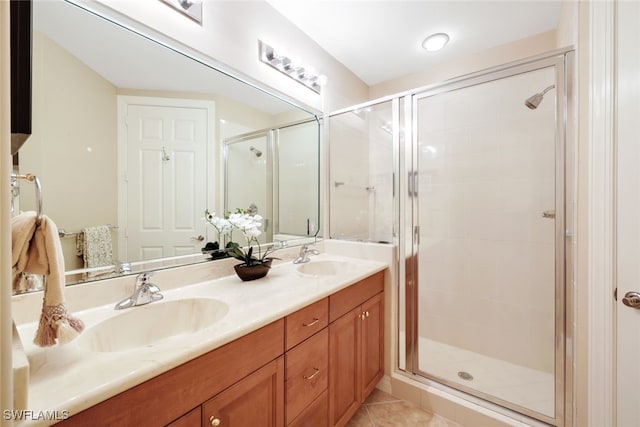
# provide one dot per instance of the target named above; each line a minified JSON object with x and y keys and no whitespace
{"x":36,"y":249}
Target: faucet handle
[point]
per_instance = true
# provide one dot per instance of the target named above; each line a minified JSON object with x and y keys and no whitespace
{"x":143,"y":278}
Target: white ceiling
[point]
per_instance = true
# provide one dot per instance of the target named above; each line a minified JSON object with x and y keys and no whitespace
{"x":381,"y":40}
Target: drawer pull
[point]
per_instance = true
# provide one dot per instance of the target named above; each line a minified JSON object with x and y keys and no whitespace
{"x":312,"y":376}
{"x":315,"y":320}
{"x":215,"y":422}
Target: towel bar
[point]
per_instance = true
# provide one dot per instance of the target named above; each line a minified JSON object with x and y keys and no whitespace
{"x":64,"y":233}
{"x":32,"y":179}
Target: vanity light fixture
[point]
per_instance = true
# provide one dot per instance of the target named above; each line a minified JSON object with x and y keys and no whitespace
{"x":435,"y":42}
{"x":291,"y":67}
{"x":191,"y":8}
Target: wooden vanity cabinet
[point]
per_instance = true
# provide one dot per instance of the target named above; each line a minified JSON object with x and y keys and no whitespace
{"x":356,"y":346}
{"x":311,"y":369}
{"x":169,"y":396}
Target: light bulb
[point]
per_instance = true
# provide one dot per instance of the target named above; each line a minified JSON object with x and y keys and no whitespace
{"x":435,"y":42}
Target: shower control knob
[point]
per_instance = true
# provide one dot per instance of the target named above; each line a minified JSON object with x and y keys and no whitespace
{"x":631,"y":299}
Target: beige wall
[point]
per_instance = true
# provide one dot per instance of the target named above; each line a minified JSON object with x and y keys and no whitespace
{"x":73,"y":142}
{"x":226,"y":108}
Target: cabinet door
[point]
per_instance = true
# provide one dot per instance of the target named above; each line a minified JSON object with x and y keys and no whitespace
{"x":372,"y":357}
{"x":344,"y":356}
{"x":257,"y":400}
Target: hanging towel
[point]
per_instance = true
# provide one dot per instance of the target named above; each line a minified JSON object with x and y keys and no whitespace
{"x":94,"y":245}
{"x":36,"y":249}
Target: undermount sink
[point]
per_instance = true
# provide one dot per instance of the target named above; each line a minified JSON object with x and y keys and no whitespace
{"x":146,"y":325}
{"x":322,"y":268}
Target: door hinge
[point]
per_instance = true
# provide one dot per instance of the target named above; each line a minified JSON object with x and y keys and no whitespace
{"x":615,"y":294}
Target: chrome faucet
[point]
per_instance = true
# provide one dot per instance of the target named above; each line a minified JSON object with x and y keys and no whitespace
{"x":303,"y":256}
{"x":143,"y":293}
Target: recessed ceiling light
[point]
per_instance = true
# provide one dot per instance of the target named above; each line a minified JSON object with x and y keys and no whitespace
{"x":435,"y":42}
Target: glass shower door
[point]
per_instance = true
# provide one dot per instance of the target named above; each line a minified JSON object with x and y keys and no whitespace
{"x":486,"y":190}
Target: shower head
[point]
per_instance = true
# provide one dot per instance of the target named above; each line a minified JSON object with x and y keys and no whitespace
{"x":533,"y":101}
{"x":255,"y":151}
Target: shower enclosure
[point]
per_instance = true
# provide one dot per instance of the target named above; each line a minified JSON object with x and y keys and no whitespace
{"x":483,"y":231}
{"x":275,"y":173}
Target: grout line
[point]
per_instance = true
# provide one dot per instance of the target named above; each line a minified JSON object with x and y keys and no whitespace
{"x":371,"y":420}
{"x":383,"y":403}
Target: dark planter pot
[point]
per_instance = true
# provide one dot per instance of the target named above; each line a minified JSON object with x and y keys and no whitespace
{"x":252,"y":272}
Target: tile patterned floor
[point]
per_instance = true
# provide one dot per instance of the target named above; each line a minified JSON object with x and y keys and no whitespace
{"x":383,"y":410}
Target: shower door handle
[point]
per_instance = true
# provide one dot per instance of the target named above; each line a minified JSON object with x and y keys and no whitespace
{"x":549,"y":214}
{"x":412,"y":184}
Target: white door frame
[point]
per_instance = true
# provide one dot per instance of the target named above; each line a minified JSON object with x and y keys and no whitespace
{"x":600,"y":193}
{"x":213,"y":149}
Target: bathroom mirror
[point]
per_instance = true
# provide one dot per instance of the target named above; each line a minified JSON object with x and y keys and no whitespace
{"x":129,"y":134}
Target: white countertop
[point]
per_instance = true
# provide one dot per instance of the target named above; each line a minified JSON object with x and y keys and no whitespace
{"x":71,"y":378}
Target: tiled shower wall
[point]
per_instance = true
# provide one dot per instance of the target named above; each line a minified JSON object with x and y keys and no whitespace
{"x":487,"y":172}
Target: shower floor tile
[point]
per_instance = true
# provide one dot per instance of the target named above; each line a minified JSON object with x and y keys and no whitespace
{"x":382,"y":409}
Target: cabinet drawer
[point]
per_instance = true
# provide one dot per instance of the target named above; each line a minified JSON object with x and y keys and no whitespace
{"x":306,"y":373}
{"x":190,"y":419}
{"x":306,"y":322}
{"x":316,"y":414}
{"x":349,"y":298}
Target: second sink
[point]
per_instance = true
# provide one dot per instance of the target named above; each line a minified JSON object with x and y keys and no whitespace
{"x":322,"y":268}
{"x":148,"y":325}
